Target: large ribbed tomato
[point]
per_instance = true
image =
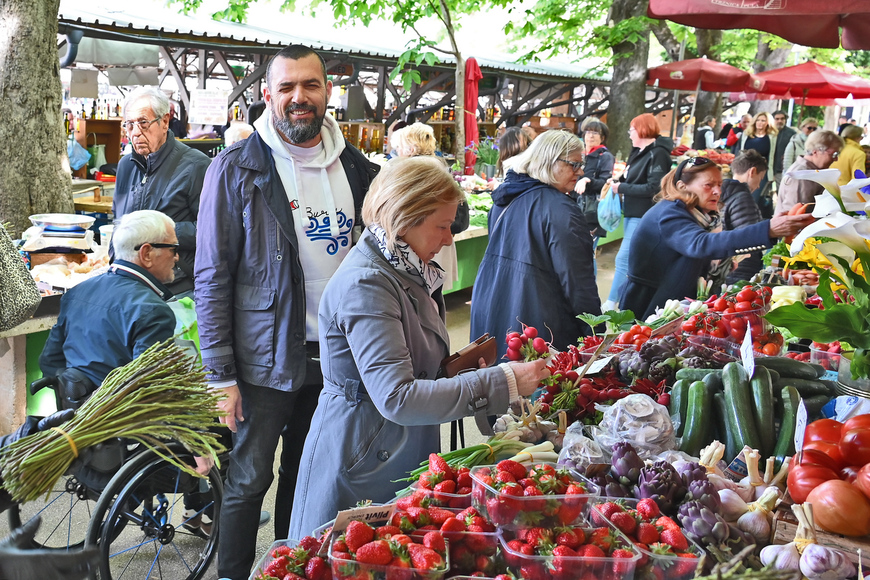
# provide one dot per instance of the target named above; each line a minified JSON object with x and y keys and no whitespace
{"x":841,"y":508}
{"x":802,"y":479}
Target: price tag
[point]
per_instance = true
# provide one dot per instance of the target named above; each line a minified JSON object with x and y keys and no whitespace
{"x":800,"y":427}
{"x":369,"y":514}
{"x":746,"y":352}
{"x":608,"y":340}
{"x":668,"y":328}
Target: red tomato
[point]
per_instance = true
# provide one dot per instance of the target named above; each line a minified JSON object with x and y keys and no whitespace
{"x":849,"y":473}
{"x":857,"y":422}
{"x":770,"y":349}
{"x":647,"y":331}
{"x":746,"y":295}
{"x":719,"y":332}
{"x":832,"y":450}
{"x":815,"y":457}
{"x":743,"y":306}
{"x":823,"y":430}
{"x":840,"y":507}
{"x":802,"y":479}
{"x":862,"y":481}
{"x":855,"y":447}
{"x":720,"y":304}
{"x":625,"y":338}
{"x":636,"y":329}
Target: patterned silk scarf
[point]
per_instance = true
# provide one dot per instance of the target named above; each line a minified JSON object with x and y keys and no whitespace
{"x":431,"y":275}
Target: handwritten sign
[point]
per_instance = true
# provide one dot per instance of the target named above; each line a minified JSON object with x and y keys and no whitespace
{"x":746,"y":352}
{"x":208,"y":107}
{"x":800,"y":427}
{"x":370,"y":514}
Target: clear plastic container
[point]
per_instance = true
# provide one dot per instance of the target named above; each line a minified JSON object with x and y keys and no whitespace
{"x":543,"y":567}
{"x":586,"y":353}
{"x":664,"y":566}
{"x":510,"y":511}
{"x":829,"y":360}
{"x":472,"y":552}
{"x":351,"y":569}
{"x":716,"y":349}
{"x":447,"y":500}
{"x":267,"y":557}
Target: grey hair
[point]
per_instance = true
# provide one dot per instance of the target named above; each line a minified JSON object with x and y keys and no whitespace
{"x":823,"y":140}
{"x":156,"y":98}
{"x":237,"y":132}
{"x":539,"y":160}
{"x":145,"y":226}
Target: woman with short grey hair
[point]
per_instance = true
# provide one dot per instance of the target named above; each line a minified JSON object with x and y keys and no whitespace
{"x":537,"y":269}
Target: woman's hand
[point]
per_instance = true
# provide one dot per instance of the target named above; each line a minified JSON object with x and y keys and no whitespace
{"x":580,"y":186}
{"x":529,"y":375}
{"x":788,"y":225}
{"x":614,"y":185}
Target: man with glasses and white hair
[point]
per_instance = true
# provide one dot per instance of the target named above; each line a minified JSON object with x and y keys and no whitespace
{"x":822,"y":148}
{"x":162,"y":174}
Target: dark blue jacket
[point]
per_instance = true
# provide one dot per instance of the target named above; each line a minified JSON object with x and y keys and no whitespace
{"x":642,"y":179}
{"x":670,"y":251}
{"x":598,"y":168}
{"x":739,"y":210}
{"x":107,"y":321}
{"x":538,"y":265}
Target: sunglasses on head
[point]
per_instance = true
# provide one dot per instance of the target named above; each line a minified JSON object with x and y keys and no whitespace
{"x":690,"y":162}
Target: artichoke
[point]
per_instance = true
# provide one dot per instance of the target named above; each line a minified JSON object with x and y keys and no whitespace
{"x":692,"y":471}
{"x":704,"y":492}
{"x":625,"y":463}
{"x":703,"y":525}
{"x":661,"y":482}
{"x":615,"y":489}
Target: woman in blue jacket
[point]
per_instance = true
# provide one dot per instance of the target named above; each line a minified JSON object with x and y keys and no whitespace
{"x":676,"y":240}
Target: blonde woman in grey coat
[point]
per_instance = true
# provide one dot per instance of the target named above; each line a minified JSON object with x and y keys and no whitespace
{"x":382,"y":338}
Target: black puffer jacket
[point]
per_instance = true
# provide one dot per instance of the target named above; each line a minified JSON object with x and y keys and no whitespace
{"x":598,"y":168}
{"x":642,"y":179}
{"x":740,"y":210}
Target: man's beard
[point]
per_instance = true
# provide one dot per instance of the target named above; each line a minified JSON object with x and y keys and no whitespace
{"x":302,"y":130}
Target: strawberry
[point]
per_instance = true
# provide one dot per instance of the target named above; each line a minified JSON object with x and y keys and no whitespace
{"x":424,"y":558}
{"x":463,"y":478}
{"x":417,"y":535}
{"x":687,"y":564}
{"x":667,"y":523}
{"x":317,"y":569}
{"x":503,"y":577}
{"x":282,"y":551}
{"x":538,"y":536}
{"x":563,"y":560}
{"x":622,"y":567}
{"x":358,"y":534}
{"x":648,"y":509}
{"x":480,"y":543}
{"x":336,"y":555}
{"x":571,"y":537}
{"x":418,"y":516}
{"x":534,"y":504}
{"x":401,"y":540}
{"x":385,"y":532}
{"x":603,"y":538}
{"x":483,"y":563}
{"x":461,"y":557}
{"x":428,"y":479}
{"x":310,"y":544}
{"x":531,"y":571}
{"x":293,"y":576}
{"x":505,"y":477}
{"x":377,"y":552}
{"x":447,"y":487}
{"x":675,"y":539}
{"x":609,"y":508}
{"x":567,"y":514}
{"x":435,"y":541}
{"x":453,"y":528}
{"x":590,"y":551}
{"x":647,"y":533}
{"x":469,"y":512}
{"x":413,"y":500}
{"x":276,"y":568}
{"x":500,"y":513}
{"x":339,"y":545}
{"x":518,"y":470}
{"x":624,"y":522}
{"x":576,"y":489}
{"x":437,"y":464}
{"x":438,"y":516}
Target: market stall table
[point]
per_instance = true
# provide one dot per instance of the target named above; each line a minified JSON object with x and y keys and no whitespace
{"x":19,"y":354}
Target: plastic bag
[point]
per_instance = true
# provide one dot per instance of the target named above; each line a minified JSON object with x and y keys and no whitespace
{"x":639,"y":420}
{"x":578,"y":450}
{"x":78,"y":155}
{"x":610,"y":210}
{"x":186,"y":327}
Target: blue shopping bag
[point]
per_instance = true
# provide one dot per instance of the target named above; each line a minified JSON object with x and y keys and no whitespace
{"x":609,"y":210}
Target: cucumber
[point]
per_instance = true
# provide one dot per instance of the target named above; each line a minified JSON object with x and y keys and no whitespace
{"x":738,"y":404}
{"x":820,"y":370}
{"x":814,"y":406}
{"x":713,"y":382}
{"x":787,"y":367}
{"x":726,"y":433}
{"x":698,"y":419}
{"x":785,"y":442}
{"x":807,"y":388}
{"x":762,"y":406}
{"x":775,"y":377}
{"x":679,"y":402}
{"x":696,"y":374}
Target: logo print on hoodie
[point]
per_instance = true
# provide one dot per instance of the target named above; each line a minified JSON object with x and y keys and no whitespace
{"x":318,"y":229}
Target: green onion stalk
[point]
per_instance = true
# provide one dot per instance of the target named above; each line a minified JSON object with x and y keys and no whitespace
{"x":159,"y":398}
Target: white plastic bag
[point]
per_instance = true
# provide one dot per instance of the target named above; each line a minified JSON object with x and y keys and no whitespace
{"x":639,"y":420}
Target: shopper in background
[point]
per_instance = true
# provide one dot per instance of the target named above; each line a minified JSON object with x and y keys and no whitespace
{"x":681,"y":234}
{"x":736,"y":133}
{"x":822,"y":148}
{"x":537,"y":268}
{"x":761,"y":136}
{"x":382,"y":339}
{"x":795,"y":147}
{"x":280,"y":211}
{"x":704,"y":135}
{"x":512,"y":143}
{"x":783,"y":138}
{"x":648,"y":162}
{"x":162,"y":174}
{"x":237,"y":131}
{"x":597,"y":170}
{"x":737,"y":209}
{"x":851,"y":157}
{"x":415,"y":139}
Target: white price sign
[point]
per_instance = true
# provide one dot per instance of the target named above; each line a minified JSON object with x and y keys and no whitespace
{"x":208,"y":107}
{"x":800,"y":427}
{"x":746,"y":352}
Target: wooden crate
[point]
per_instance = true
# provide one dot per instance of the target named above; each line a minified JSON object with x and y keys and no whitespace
{"x":785,"y":525}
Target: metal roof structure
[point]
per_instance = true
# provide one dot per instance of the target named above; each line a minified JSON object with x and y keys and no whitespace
{"x":165,"y":26}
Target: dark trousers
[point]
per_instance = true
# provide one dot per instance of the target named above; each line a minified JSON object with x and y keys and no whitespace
{"x":269,"y":414}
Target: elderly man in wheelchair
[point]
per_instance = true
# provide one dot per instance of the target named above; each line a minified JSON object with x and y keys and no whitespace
{"x":118,"y":494}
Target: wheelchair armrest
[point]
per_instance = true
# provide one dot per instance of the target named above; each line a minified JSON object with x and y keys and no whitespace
{"x":42,"y":383}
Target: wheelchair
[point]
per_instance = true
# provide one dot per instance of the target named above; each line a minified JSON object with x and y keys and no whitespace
{"x":148,"y":518}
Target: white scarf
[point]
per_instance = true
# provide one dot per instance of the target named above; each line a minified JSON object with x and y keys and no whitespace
{"x":406,"y":260}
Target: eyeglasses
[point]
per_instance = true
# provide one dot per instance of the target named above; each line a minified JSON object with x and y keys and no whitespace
{"x":575,"y":165}
{"x":810,"y":128}
{"x":141,"y":124}
{"x":172,"y":247}
{"x":690,"y":162}
{"x":835,"y":154}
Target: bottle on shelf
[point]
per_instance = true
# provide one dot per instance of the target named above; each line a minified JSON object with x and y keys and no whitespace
{"x":376,"y":142}
{"x":363,"y":144}
{"x":83,"y":114}
{"x":94,"y":109}
{"x":118,"y":109}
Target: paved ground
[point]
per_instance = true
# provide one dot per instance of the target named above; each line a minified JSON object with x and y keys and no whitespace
{"x":458,"y":308}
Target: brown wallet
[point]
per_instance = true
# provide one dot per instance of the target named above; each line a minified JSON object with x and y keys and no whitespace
{"x":467,"y":357}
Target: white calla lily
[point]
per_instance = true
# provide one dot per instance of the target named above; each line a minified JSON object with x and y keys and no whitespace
{"x":825,"y":177}
{"x":841,"y":227}
{"x":851,"y":192}
{"x":826,"y":204}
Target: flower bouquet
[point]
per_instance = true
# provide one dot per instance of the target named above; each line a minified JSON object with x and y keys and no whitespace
{"x":843,"y":286}
{"x":486,"y":151}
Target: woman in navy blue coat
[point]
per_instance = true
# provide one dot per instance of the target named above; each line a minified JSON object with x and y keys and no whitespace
{"x":677,"y":238}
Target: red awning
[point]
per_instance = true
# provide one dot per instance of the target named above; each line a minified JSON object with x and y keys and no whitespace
{"x":472,"y":77}
{"x":703,"y":74}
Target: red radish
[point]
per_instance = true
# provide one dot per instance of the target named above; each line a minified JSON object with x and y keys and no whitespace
{"x":540,"y":345}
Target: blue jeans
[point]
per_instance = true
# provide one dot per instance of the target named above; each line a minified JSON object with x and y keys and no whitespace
{"x":620,"y":274}
{"x":269,"y":414}
{"x":594,"y":260}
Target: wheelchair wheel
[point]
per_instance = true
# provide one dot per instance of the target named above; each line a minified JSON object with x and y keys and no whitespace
{"x":155,"y":521}
{"x":65,"y":514}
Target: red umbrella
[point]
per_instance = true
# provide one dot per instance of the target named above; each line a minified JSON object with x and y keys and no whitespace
{"x":472,"y":76}
{"x":702,"y":74}
{"x":805,"y":22}
{"x":812,"y":80}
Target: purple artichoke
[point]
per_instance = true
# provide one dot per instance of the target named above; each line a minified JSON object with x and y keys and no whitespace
{"x":703,"y":525}
{"x":705,"y":492}
{"x":661,"y":482}
{"x":614,"y":489}
{"x":692,"y":471}
{"x":625,"y":463}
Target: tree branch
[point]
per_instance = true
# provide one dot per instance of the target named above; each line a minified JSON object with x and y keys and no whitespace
{"x":667,"y":39}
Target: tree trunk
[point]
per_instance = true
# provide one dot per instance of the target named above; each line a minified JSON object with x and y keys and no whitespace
{"x":768,"y":59}
{"x":628,"y":84}
{"x":459,"y":107}
{"x":706,"y":102}
{"x":34,"y":168}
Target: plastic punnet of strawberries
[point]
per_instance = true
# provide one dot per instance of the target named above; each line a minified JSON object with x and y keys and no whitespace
{"x":509,"y":494}
{"x":443,"y":485}
{"x":363,"y":549}
{"x":666,"y":553}
{"x":570,"y":553}
{"x":288,"y":562}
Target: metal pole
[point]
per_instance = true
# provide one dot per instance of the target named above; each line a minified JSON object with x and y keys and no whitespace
{"x":676,"y":109}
